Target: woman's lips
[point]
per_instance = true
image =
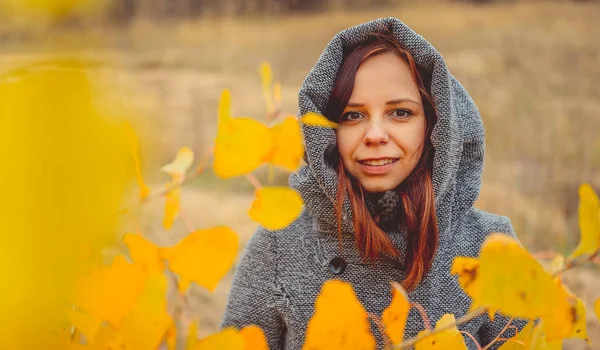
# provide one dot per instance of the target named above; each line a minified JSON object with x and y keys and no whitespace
{"x":377,"y":169}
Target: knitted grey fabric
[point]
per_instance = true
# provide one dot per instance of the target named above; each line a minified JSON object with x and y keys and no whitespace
{"x":281,"y":272}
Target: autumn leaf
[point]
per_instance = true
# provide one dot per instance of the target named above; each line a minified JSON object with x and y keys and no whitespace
{"x":50,"y":9}
{"x":134,"y":148}
{"x":597,"y":308}
{"x":147,"y":322}
{"x":450,"y":338}
{"x":172,"y":205}
{"x":110,"y":292}
{"x":589,"y":222}
{"x":530,"y":291}
{"x":315,"y":119}
{"x":182,"y":162}
{"x":242,"y":144}
{"x":339,"y":320}
{"x":228,"y":338}
{"x":466,"y":269}
{"x":275,"y":207}
{"x":204,"y":257}
{"x":144,"y":252}
{"x":254,"y":338}
{"x":288,"y":148}
{"x":557,"y":264}
{"x":266,"y":79}
{"x":192,"y":337}
{"x":395,"y":315}
{"x":171,"y":337}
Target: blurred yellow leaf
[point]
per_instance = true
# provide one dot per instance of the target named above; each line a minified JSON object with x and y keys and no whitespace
{"x":277,"y":94}
{"x":110,"y":292}
{"x":254,"y":338}
{"x":580,"y":326}
{"x":204,"y":257}
{"x":148,"y":321}
{"x":86,"y":324}
{"x":48,"y":8}
{"x":171,"y":337}
{"x":242,"y":144}
{"x":589,"y":221}
{"x":181,"y":163}
{"x":448,"y":339}
{"x":395,"y":315}
{"x":288,"y":148}
{"x":228,"y":338}
{"x":275,"y":207}
{"x":597,"y":308}
{"x":192,"y":337}
{"x":531,"y":337}
{"x":466,"y":269}
{"x":315,"y":119}
{"x":339,"y":320}
{"x":557,"y":264}
{"x":135,"y":154}
{"x":530,"y":292}
{"x":266,"y":79}
{"x":144,"y":252}
{"x":172,"y":204}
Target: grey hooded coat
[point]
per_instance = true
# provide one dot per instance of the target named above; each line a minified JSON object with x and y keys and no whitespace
{"x":281,"y":272}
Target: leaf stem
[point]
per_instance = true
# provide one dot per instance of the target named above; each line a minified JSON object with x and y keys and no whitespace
{"x":499,"y":334}
{"x":423,"y":313}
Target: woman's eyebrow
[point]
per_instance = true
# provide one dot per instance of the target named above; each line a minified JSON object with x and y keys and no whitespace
{"x":401,"y":100}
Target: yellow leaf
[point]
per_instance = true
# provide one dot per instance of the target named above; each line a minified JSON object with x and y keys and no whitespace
{"x":589,"y":222}
{"x":203,"y":257}
{"x":339,"y":320}
{"x":86,"y":324}
{"x":288,"y":148}
{"x":580,"y":327}
{"x":110,"y":292}
{"x":171,"y":337}
{"x":448,"y":339}
{"x":242,"y":144}
{"x":144,"y":252}
{"x":228,"y":338}
{"x":395,"y":315}
{"x":135,"y":154}
{"x":511,"y":281}
{"x":181,"y":163}
{"x":315,"y":119}
{"x":466,"y":269}
{"x":275,"y":207}
{"x":146,"y":324}
{"x":597,"y":308}
{"x":266,"y":79}
{"x":172,"y":205}
{"x":557,"y":263}
{"x":48,"y":8}
{"x":254,"y":338}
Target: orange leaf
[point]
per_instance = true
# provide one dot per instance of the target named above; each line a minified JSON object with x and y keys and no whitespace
{"x":395,"y":315}
{"x":110,"y":292}
{"x":203,"y":257}
{"x":276,"y":207}
{"x":86,"y":324}
{"x":144,"y":252}
{"x":315,"y":119}
{"x":242,"y":144}
{"x":288,"y":148}
{"x":339,"y":320}
{"x":254,"y":338}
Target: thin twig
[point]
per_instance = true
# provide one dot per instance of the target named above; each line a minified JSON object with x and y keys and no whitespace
{"x":186,"y":221}
{"x":473,"y":338}
{"x":545,"y":255}
{"x":423,"y":313}
{"x":576,"y":262}
{"x":499,"y":334}
{"x":254,"y":181}
{"x":377,"y":321}
{"x":468,"y":317}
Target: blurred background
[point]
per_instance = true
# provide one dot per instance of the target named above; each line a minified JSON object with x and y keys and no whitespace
{"x":532,"y":68}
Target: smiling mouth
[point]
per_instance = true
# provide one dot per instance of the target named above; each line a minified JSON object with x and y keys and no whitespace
{"x":378,"y":162}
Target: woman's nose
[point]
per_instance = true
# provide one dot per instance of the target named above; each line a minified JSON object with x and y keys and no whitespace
{"x":376,"y":134}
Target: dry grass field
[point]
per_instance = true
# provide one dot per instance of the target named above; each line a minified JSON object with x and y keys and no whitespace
{"x":533,"y":69}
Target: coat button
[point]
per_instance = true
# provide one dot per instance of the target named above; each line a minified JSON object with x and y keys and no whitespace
{"x":337,"y":265}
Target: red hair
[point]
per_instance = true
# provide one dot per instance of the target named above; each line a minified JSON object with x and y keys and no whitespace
{"x":418,"y":203}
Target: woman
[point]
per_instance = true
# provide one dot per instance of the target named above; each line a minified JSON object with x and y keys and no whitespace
{"x":388,"y":194}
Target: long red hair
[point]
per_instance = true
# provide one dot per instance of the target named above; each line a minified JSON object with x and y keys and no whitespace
{"x":418,"y":204}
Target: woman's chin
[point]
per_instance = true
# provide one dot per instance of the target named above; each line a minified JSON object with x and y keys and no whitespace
{"x":378,"y":185}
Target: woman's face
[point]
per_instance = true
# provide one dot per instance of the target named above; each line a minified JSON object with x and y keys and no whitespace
{"x":382,"y":129}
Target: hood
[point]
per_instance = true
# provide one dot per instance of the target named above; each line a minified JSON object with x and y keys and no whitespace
{"x":458,"y":136}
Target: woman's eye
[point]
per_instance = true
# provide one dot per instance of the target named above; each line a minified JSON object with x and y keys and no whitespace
{"x":401,"y":113}
{"x":351,"y":116}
